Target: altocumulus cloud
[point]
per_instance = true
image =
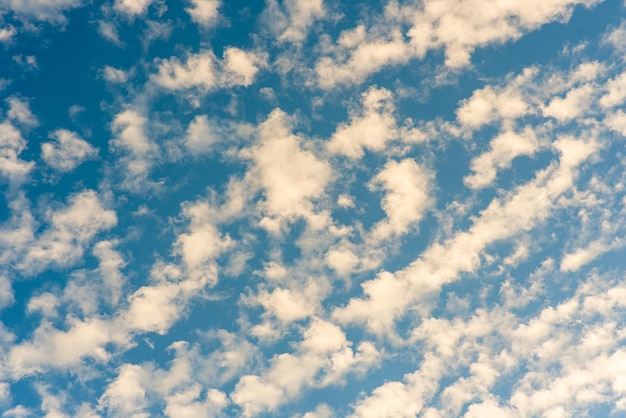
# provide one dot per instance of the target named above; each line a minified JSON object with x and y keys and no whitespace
{"x":312,"y":208}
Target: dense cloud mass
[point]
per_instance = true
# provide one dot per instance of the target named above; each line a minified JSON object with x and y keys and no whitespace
{"x":312,"y":208}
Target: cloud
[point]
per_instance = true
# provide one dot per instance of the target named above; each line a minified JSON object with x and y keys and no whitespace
{"x":11,"y":146}
{"x":204,"y":12}
{"x":324,"y":356}
{"x":372,"y":129}
{"x":503,"y":149}
{"x":129,"y":127}
{"x":573,"y":105}
{"x":407,"y":196}
{"x":574,"y":260}
{"x":109,"y":31}
{"x":518,"y":211}
{"x":125,"y":395}
{"x":448,"y":25}
{"x":114,"y":75}
{"x":7,"y":33}
{"x":290,"y":175}
{"x":203,"y":71}
{"x":70,"y":229}
{"x":292,"y":19}
{"x":43,"y":10}
{"x":67,"y":152}
{"x":488,"y":105}
{"x":132,"y":8}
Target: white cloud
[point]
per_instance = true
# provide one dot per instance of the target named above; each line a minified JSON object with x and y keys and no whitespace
{"x":205,"y":72}
{"x":323,"y":358}
{"x":407,"y":196}
{"x":292,"y":19}
{"x":11,"y":145}
{"x":6,"y":299}
{"x":125,"y":396}
{"x":110,"y":262}
{"x":241,"y":67}
{"x":371,"y":128}
{"x":132,"y":8}
{"x":204,"y":12}
{"x":574,"y":260}
{"x":291,"y":176}
{"x":388,"y":296}
{"x":202,"y":243}
{"x":201,"y":134}
{"x":44,"y":10}
{"x":70,"y":230}
{"x":109,"y":31}
{"x":615,"y":92}
{"x":67,"y":152}
{"x":114,"y":75}
{"x":450,"y":25}
{"x":129,"y":127}
{"x":199,"y":70}
{"x":573,"y":105}
{"x":503,"y":149}
{"x":488,"y":105}
{"x":7,"y":33}
{"x":402,"y":400}
{"x":19,"y":112}
{"x":342,"y":260}
{"x":50,"y":347}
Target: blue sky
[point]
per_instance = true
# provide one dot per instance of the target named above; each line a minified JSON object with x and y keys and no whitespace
{"x":312,"y":208}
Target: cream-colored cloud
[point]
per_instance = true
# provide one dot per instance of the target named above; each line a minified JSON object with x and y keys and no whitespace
{"x":132,"y":8}
{"x":129,"y":130}
{"x":573,"y":105}
{"x":11,"y":146}
{"x":407,"y":189}
{"x":115,"y":75}
{"x":43,"y":10}
{"x":67,"y":152}
{"x":371,"y":129}
{"x":388,"y":296}
{"x":323,"y":358}
{"x":203,"y":71}
{"x":126,"y":395}
{"x":290,"y":175}
{"x":291,"y":20}
{"x":490,"y":104}
{"x":503,"y":149}
{"x":202,"y":243}
{"x":204,"y":12}
{"x":70,"y":230}
{"x":7,"y":33}
{"x":450,"y":25}
{"x":241,"y":67}
{"x":574,"y":260}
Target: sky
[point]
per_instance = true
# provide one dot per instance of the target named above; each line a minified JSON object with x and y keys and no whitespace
{"x":312,"y":208}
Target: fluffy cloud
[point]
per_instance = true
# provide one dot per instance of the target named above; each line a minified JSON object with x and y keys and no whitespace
{"x":371,"y":128}
{"x":44,"y":10}
{"x":129,"y":127}
{"x":324,"y":357}
{"x":205,"y":72}
{"x":450,"y":25}
{"x":204,"y":12}
{"x":292,"y":19}
{"x":407,"y":196}
{"x":503,"y":149}
{"x":69,"y":231}
{"x":67,"y":152}
{"x":442,"y":263}
{"x":132,"y":8}
{"x":291,"y":176}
